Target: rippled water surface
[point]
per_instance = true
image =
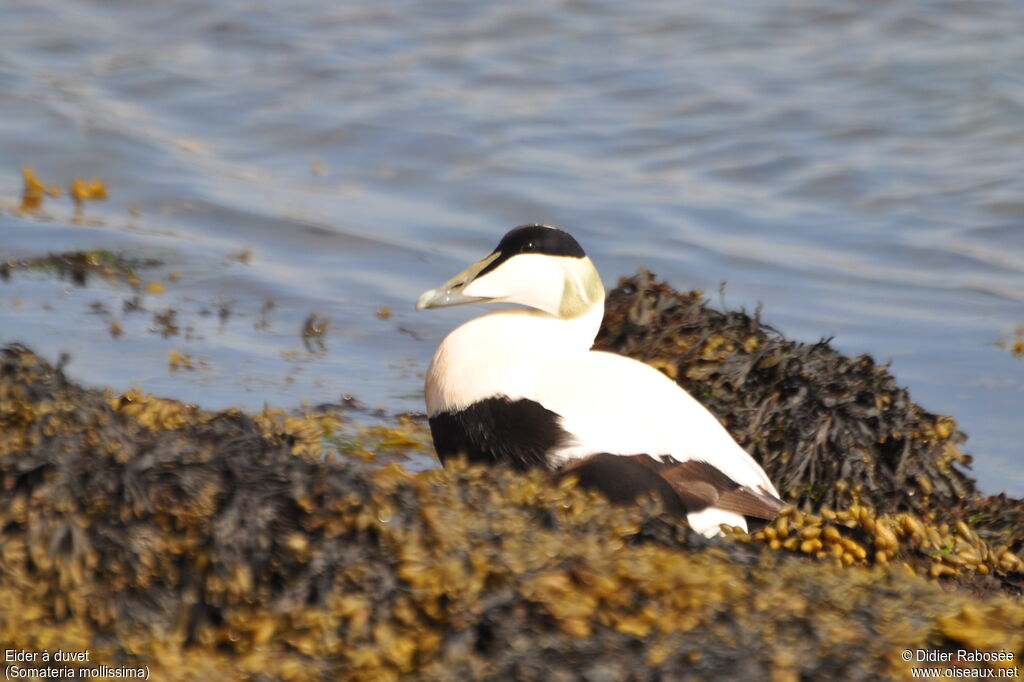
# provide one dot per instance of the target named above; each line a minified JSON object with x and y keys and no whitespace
{"x":855,"y":167}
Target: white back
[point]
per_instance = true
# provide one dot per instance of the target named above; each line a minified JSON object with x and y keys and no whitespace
{"x":615,"y":404}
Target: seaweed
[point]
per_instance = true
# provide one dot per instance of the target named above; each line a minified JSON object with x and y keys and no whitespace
{"x":222,"y":545}
{"x":79,"y":266}
{"x":35,"y":190}
{"x":830,"y":430}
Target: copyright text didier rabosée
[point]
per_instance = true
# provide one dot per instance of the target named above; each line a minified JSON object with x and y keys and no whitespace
{"x":962,"y":657}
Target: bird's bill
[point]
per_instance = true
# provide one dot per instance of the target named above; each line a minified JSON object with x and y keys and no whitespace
{"x":451,"y":292}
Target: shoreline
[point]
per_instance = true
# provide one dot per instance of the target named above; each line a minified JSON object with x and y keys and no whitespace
{"x":147,"y":531}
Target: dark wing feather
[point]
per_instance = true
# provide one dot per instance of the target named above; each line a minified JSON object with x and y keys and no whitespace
{"x":701,"y":485}
{"x":751,"y":502}
{"x":622,"y":480}
{"x":683,"y":487}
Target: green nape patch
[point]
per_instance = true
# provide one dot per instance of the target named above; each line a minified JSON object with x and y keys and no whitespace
{"x":79,"y":266}
{"x":220,"y":545}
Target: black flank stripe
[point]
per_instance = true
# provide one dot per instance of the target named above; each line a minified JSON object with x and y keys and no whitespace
{"x":498,"y":430}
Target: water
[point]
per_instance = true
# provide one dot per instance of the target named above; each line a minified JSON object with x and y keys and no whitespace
{"x":855,"y":167}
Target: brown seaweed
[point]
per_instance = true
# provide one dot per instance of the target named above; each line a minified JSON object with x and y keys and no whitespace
{"x":218,"y":545}
{"x":830,"y":430}
{"x":79,"y":266}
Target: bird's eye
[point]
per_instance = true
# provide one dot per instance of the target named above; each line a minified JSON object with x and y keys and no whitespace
{"x":529,"y":246}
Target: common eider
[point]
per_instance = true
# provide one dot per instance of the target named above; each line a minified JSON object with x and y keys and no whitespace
{"x":522,"y":387}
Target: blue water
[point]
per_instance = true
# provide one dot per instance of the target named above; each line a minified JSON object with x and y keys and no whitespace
{"x":855,"y":167}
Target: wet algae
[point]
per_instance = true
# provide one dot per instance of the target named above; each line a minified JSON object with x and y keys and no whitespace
{"x":810,"y":415}
{"x":223,"y":545}
{"x":78,"y":266}
{"x":831,"y":431}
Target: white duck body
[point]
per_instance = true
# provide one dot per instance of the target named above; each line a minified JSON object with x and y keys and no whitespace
{"x":499,"y":376}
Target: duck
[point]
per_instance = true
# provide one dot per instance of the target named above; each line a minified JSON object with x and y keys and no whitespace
{"x":523,"y":387}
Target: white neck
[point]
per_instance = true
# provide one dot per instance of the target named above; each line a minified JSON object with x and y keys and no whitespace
{"x":501,"y":353}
